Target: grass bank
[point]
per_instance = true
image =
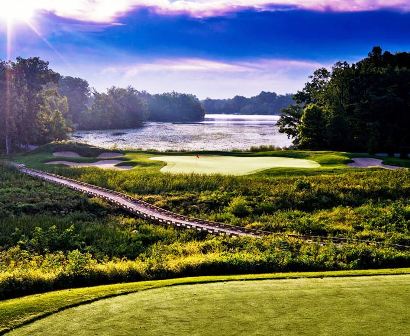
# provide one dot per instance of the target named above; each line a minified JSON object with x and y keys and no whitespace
{"x":20,"y":311}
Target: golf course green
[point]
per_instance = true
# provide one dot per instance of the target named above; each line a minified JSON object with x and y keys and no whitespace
{"x":228,"y":165}
{"x":344,"y":306}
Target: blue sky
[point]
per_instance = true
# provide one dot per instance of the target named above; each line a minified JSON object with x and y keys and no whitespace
{"x":212,"y":49}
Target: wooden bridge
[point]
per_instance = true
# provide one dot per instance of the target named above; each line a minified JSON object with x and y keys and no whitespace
{"x":164,"y":217}
{"x":143,"y":209}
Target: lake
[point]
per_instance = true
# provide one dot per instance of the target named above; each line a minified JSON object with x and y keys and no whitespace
{"x":216,"y":132}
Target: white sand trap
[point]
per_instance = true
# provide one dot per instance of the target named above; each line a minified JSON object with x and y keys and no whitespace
{"x":110,"y":155}
{"x":104,"y":164}
{"x":370,"y":163}
{"x":229,"y":165}
{"x":67,"y":154}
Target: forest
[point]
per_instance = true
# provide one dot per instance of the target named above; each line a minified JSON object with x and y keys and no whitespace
{"x":362,"y":107}
{"x":40,"y":105}
{"x":266,"y":103}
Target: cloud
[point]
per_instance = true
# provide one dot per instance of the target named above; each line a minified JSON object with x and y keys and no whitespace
{"x":198,"y":65}
{"x":205,"y":77}
{"x":109,"y":11}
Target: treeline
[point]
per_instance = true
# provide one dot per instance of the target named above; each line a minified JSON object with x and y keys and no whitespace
{"x":268,"y":103}
{"x":363,"y":106}
{"x":38,"y":105}
{"x":124,"y":107}
{"x":31,"y":110}
{"x":120,"y":108}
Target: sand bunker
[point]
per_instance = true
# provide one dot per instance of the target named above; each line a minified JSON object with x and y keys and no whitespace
{"x":229,"y":165}
{"x":110,"y":155}
{"x":370,"y":163}
{"x":104,"y":164}
{"x":67,"y":154}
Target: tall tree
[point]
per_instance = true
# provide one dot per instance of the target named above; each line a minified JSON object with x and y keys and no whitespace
{"x":175,"y":106}
{"x":8,"y":130}
{"x":78,"y":93}
{"x":30,"y":76}
{"x":268,"y":103}
{"x":289,"y":122}
{"x":366,"y":104}
{"x":22,"y":85}
{"x":51,"y":124}
{"x":312,"y":128}
{"x":117,"y":108}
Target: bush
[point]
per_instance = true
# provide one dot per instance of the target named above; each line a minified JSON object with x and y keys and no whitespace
{"x":35,"y":273}
{"x":301,"y":185}
{"x":239,"y":207}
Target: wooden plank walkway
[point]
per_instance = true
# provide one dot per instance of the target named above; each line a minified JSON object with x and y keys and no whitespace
{"x":143,"y":209}
{"x":164,"y":217}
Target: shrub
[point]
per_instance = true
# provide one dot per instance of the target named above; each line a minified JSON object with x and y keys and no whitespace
{"x":302,"y":185}
{"x":239,"y":207}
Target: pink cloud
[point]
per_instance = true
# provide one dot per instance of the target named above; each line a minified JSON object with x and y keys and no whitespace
{"x":108,"y":11}
{"x":198,"y":65}
{"x":206,"y":77}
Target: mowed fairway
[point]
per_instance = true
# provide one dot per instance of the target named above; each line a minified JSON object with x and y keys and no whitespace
{"x":228,"y":165}
{"x":330,"y":306}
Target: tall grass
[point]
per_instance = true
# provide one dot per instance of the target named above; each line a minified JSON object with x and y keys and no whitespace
{"x":51,"y":237}
{"x":25,"y":273}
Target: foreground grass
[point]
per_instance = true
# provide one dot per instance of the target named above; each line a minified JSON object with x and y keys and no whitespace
{"x":17,"y":312}
{"x":339,"y":304}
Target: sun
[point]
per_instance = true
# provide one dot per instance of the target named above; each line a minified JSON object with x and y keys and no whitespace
{"x":17,"y":11}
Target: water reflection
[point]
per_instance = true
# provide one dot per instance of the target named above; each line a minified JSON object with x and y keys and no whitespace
{"x":216,"y":132}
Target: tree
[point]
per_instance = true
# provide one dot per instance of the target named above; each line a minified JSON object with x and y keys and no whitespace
{"x":289,"y":122}
{"x":365,"y":106}
{"x":51,"y":124}
{"x":117,"y":108}
{"x":24,"y":109}
{"x":312,"y":128}
{"x":268,"y":103}
{"x":29,"y":77}
{"x":8,"y":132}
{"x":78,"y":94}
{"x":175,"y":106}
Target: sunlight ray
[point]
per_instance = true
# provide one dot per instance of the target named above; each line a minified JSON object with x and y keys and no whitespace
{"x":32,"y":26}
{"x":9,"y":39}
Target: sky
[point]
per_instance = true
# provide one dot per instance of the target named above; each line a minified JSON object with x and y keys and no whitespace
{"x":214,"y":48}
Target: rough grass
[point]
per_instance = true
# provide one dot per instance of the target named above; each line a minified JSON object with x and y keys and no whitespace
{"x":228,"y":165}
{"x":320,"y":306}
{"x":397,"y":162}
{"x":17,"y":312}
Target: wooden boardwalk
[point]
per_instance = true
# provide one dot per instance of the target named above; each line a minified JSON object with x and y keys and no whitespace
{"x":164,"y":217}
{"x":143,"y":209}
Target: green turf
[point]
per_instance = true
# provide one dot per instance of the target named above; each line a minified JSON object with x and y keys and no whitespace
{"x":327,"y":162}
{"x":228,"y":165}
{"x":19,"y":311}
{"x":320,"y":160}
{"x":328,"y":306}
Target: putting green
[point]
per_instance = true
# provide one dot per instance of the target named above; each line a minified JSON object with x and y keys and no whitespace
{"x":329,"y":306}
{"x":228,"y":165}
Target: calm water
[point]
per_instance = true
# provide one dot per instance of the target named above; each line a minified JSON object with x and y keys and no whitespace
{"x":216,"y":132}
